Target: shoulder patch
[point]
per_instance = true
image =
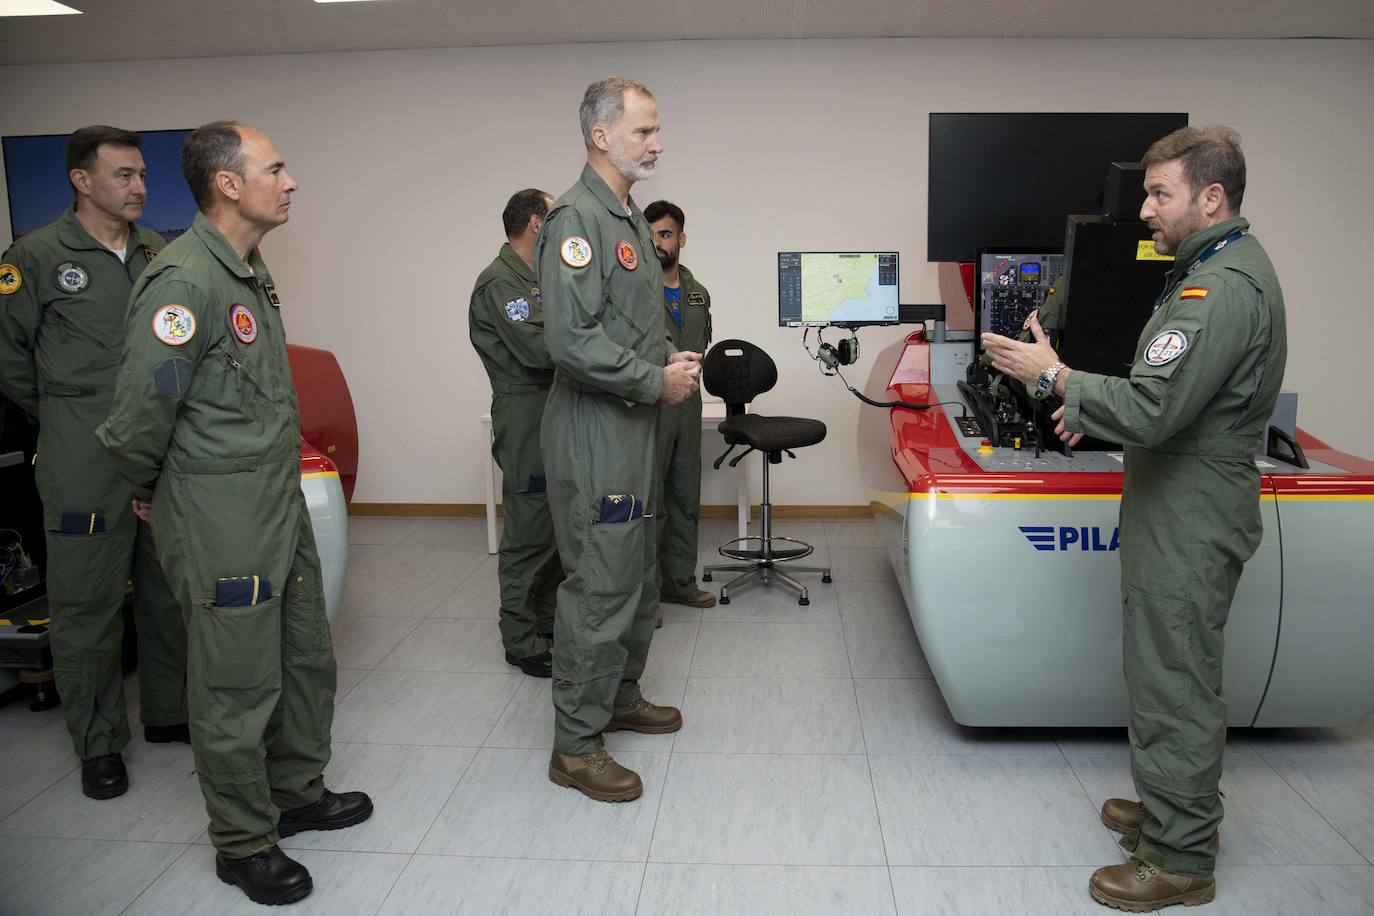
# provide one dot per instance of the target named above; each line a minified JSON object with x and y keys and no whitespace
{"x":518,"y":309}
{"x":696,"y":298}
{"x":71,"y":277}
{"x":1193,"y":292}
{"x":174,"y":325}
{"x":1166,"y":347}
{"x":243,"y":323}
{"x":10,"y":279}
{"x":575,"y":251}
{"x":626,"y":254}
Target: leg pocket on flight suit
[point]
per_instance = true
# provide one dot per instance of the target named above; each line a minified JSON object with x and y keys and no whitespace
{"x":1157,"y":639}
{"x":239,"y":647}
{"x":615,"y":557}
{"x":305,"y":630}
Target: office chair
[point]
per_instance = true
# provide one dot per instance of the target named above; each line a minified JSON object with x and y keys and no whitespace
{"x":736,"y":371}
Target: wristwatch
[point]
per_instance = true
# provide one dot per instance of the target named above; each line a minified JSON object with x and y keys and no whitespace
{"x":1044,"y":385}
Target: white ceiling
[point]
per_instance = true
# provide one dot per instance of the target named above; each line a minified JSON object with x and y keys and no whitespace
{"x":150,"y":29}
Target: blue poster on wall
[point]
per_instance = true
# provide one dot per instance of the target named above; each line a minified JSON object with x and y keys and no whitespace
{"x":36,"y":180}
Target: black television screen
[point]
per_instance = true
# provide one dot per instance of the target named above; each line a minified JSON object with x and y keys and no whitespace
{"x":1010,"y":180}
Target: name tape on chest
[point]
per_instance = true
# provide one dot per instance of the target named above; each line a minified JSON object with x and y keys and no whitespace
{"x":11,"y":280}
{"x":518,"y":309}
{"x":174,"y":325}
{"x":1166,"y":347}
{"x":243,"y":323}
{"x":71,"y":277}
{"x":575,"y":251}
{"x":696,"y":298}
{"x":626,"y":254}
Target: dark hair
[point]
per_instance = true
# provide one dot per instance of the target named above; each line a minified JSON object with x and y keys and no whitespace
{"x":83,"y":146}
{"x":1210,"y":155}
{"x":522,"y":207}
{"x":209,"y":149}
{"x":661,"y":208}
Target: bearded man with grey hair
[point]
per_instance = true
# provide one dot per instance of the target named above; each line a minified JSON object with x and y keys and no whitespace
{"x":602,"y":290}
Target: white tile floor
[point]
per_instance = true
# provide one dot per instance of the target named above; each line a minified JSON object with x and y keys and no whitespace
{"x":818,"y":772}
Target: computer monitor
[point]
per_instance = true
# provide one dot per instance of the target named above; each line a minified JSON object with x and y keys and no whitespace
{"x":38,"y":188}
{"x":817,"y":288}
{"x":1011,"y":178}
{"x":1012,"y":283}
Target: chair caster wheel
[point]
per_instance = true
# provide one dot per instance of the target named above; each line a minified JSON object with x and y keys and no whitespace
{"x":724,"y":599}
{"x":705,"y":577}
{"x":803,"y":601}
{"x":826,"y":578}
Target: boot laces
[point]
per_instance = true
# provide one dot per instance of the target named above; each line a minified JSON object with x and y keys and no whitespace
{"x":1145,"y":872}
{"x":597,"y":761}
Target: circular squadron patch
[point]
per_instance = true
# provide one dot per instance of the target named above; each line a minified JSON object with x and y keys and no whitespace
{"x":10,"y":279}
{"x":174,"y":325}
{"x":71,"y":277}
{"x":1165,"y":348}
{"x":243,"y":323}
{"x":576,"y":251}
{"x":625,"y":253}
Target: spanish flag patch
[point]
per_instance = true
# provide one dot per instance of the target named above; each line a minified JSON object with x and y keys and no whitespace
{"x":1193,"y":292}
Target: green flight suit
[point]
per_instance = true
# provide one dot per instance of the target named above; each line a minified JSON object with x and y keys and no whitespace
{"x":603,"y":322}
{"x":506,"y":326}
{"x":61,"y":332}
{"x":1205,"y":378}
{"x":205,"y":421}
{"x":679,"y":448}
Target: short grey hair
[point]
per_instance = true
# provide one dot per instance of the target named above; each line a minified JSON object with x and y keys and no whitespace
{"x":604,"y":103}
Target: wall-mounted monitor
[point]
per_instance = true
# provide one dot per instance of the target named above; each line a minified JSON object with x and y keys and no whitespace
{"x":1011,"y":179}
{"x":817,"y":288}
{"x":36,"y":181}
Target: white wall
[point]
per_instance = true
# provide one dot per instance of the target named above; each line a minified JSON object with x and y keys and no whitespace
{"x":405,"y":160}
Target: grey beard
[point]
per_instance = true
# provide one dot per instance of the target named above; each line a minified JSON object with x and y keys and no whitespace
{"x":631,"y":170}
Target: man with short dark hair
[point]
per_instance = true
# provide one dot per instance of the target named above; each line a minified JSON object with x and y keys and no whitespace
{"x":506,"y":326}
{"x":603,"y":323}
{"x":63,"y":292}
{"x":687,"y":315}
{"x":1205,"y":378}
{"x":205,"y":427}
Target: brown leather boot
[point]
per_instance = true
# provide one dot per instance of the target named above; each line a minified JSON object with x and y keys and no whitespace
{"x":1137,"y":887}
{"x":646,"y":718}
{"x":1124,"y":816}
{"x":595,"y":775}
{"x":697,"y":598}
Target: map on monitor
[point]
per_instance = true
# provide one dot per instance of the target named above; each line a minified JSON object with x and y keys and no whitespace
{"x":836,"y":287}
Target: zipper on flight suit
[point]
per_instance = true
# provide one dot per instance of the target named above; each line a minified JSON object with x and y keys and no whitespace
{"x":244,"y":373}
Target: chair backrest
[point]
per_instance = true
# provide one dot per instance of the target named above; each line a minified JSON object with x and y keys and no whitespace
{"x":736,"y":371}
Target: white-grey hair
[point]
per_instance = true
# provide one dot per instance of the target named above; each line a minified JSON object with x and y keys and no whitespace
{"x":604,"y":103}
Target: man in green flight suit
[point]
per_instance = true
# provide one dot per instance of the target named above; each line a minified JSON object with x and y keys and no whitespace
{"x":506,"y":326}
{"x":687,"y":313}
{"x":1206,"y":374}
{"x":205,"y":426}
{"x":603,"y":321}
{"x":63,"y":293}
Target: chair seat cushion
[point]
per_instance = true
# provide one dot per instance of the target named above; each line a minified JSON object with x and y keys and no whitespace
{"x":768,"y":434}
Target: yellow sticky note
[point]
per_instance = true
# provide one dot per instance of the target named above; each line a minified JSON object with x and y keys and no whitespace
{"x":1145,"y":251}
